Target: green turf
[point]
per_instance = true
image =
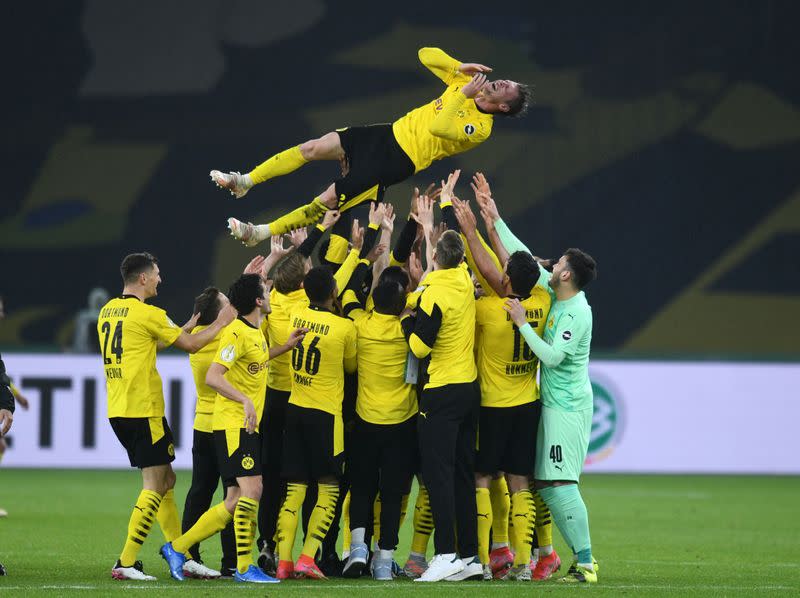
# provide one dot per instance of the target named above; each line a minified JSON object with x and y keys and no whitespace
{"x":653,"y":535}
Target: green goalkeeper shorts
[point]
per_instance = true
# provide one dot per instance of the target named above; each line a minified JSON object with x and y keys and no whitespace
{"x":562,"y":444}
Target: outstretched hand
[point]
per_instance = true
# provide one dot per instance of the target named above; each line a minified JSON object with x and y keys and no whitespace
{"x":466,"y":219}
{"x":330,"y":218}
{"x":488,"y":208}
{"x":446,"y":193}
{"x":356,"y":235}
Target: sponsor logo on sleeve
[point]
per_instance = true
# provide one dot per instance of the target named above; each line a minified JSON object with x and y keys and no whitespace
{"x":228,"y":354}
{"x":469,"y":129}
{"x":566,"y":335}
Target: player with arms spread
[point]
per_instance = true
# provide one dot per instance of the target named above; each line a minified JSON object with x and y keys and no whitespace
{"x":377,"y":156}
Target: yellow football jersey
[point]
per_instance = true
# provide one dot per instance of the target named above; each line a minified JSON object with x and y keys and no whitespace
{"x":200,"y":362}
{"x":129,"y":332}
{"x":279,"y":377}
{"x":319,"y":360}
{"x":451,"y":124}
{"x":506,"y":364}
{"x":243,"y":350}
{"x":445,"y":327}
{"x":383,"y":395}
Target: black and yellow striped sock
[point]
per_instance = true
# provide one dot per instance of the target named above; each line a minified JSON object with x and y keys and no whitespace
{"x":321,"y":518}
{"x":501,"y":508}
{"x":544,"y":522}
{"x":288,"y":518}
{"x":423,"y":522}
{"x":144,"y":514}
{"x":307,"y":214}
{"x":523,"y":514}
{"x":484,"y":504}
{"x":243,"y":518}
{"x":168,"y":517}
{"x":212,"y":521}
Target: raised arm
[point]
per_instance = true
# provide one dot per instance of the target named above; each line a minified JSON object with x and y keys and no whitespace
{"x":549,"y":356}
{"x":479,"y":258}
{"x":192,"y":343}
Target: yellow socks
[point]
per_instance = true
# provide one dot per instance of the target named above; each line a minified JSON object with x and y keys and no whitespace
{"x":302,"y":216}
{"x":244,"y":518}
{"x":212,"y":521}
{"x":423,"y":522}
{"x":544,"y":523}
{"x":144,"y":513}
{"x":168,"y":517}
{"x":283,"y":163}
{"x":484,"y":503}
{"x":376,"y":520}
{"x":501,"y":505}
{"x":287,"y":519}
{"x":523,"y":514}
{"x":321,"y":518}
{"x":346,"y":537}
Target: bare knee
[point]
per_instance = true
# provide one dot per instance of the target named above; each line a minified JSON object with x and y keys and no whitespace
{"x":327,"y":147}
{"x":251,"y":487}
{"x":169,"y":480}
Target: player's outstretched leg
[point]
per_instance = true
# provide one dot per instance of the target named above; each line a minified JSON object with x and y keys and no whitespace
{"x":252,"y":234}
{"x":327,"y":147}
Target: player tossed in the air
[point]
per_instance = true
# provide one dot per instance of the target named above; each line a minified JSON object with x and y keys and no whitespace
{"x":376,"y":156}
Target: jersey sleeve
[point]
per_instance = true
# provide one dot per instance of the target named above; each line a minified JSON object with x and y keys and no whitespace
{"x":160,"y":327}
{"x":426,"y":327}
{"x":447,"y":125}
{"x":229,"y":349}
{"x":571,"y":327}
{"x":440,"y":64}
{"x":345,"y":271}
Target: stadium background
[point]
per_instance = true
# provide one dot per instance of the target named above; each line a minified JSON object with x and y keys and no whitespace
{"x":665,"y":140}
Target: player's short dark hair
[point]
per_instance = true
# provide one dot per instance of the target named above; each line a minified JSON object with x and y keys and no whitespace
{"x":244,"y":292}
{"x":389,"y":297}
{"x":396,"y":274}
{"x":520,"y":104}
{"x":582,"y":266}
{"x":288,"y":273}
{"x":136,"y":263}
{"x":449,"y":249}
{"x":319,"y":284}
{"x":207,"y":305}
{"x":523,"y":272}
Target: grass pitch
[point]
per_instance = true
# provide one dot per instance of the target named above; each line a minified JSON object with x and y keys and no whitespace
{"x":653,"y":535}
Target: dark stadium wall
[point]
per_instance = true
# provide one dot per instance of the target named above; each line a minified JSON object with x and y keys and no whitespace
{"x":664,"y":140}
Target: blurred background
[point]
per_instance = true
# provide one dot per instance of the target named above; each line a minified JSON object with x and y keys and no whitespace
{"x":664,"y":140}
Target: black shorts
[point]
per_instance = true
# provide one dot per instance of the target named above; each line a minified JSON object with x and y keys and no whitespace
{"x":238,"y":454}
{"x":507,"y":439}
{"x":374,"y":158}
{"x":137,"y":435}
{"x":313,"y":444}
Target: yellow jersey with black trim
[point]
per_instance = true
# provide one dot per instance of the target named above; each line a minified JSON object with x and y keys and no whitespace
{"x":319,"y":361}
{"x":445,"y":327}
{"x":506,"y":364}
{"x":449,"y":125}
{"x":206,"y":396}
{"x":280,"y":375}
{"x":243,"y":351}
{"x":383,"y":395}
{"x":129,"y":331}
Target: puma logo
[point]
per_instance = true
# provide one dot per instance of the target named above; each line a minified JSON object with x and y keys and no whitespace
{"x":290,"y":511}
{"x":424,"y":414}
{"x":558,"y":467}
{"x":523,"y":515}
{"x":485,"y":515}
